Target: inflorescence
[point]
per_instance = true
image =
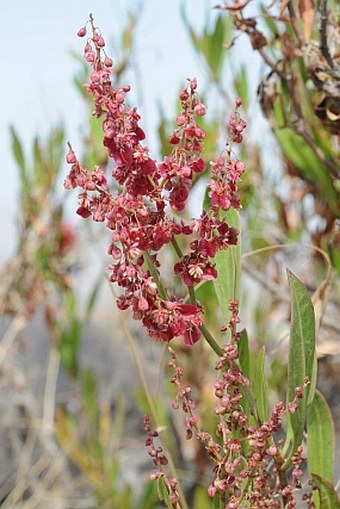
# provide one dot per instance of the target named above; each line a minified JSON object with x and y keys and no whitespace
{"x":141,"y":210}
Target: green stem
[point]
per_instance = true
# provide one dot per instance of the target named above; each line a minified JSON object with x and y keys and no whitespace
{"x":155,"y":274}
{"x":211,"y":340}
{"x":176,"y":247}
{"x":250,"y":398}
{"x":192,"y":297}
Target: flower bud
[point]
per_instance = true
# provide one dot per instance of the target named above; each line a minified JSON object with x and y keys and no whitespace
{"x":81,"y":32}
{"x":184,"y":96}
{"x":200,"y":109}
{"x":70,"y":157}
{"x":193,"y":84}
{"x":108,"y":62}
{"x":100,"y":42}
{"x":181,"y":119}
{"x":211,"y":491}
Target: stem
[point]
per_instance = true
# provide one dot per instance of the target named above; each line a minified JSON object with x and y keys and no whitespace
{"x":206,"y":334}
{"x":211,"y":340}
{"x":192,"y":295}
{"x":155,"y":274}
{"x":323,"y":33}
{"x":250,"y":398}
{"x":176,"y":247}
{"x":282,"y":477}
{"x":293,"y":24}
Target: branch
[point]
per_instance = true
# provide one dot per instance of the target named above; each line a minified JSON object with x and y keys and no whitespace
{"x":323,"y":33}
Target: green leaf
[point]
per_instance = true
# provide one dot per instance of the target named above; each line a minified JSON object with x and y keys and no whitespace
{"x":89,"y":393}
{"x":269,"y":21}
{"x":279,"y":112}
{"x":20,"y":160}
{"x":218,"y":504}
{"x":69,"y":346}
{"x":328,"y":498}
{"x":70,"y":335}
{"x":320,"y":438}
{"x":244,"y":360}
{"x":228,"y":265}
{"x":164,"y":129}
{"x":209,"y":44}
{"x":206,"y":295}
{"x":296,"y":149}
{"x":313,"y":377}
{"x":243,"y":353}
{"x":196,"y":40}
{"x":201,"y":498}
{"x":301,"y":360}
{"x":17,"y":150}
{"x":91,"y":301}
{"x":163,"y":493}
{"x":96,"y":152}
{"x":259,"y":385}
{"x":38,"y":162}
{"x":148,"y":497}
{"x":125,"y":498}
{"x":241,"y":86}
{"x":213,"y":45}
{"x":155,"y":274}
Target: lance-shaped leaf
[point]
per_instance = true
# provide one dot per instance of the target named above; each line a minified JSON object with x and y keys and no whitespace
{"x":320,"y":438}
{"x":244,"y":360}
{"x":243,"y":353}
{"x":228,"y":266}
{"x":163,"y":493}
{"x":328,"y":498}
{"x":18,"y":154}
{"x":259,"y":385}
{"x":301,"y":360}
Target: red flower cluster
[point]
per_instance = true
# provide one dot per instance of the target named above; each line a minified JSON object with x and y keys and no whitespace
{"x":139,"y":213}
{"x":227,"y":170}
{"x":247,"y":456}
{"x":160,"y":460}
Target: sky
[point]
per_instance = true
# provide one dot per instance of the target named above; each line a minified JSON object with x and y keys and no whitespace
{"x":37,"y":91}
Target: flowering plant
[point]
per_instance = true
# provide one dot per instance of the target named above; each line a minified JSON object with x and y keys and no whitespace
{"x":254,"y":464}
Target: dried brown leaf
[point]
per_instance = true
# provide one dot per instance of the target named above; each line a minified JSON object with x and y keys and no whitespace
{"x":332,"y":116}
{"x":320,"y":296}
{"x":257,"y":39}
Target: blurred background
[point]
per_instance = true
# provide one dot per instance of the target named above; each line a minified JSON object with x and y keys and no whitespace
{"x":71,"y":432}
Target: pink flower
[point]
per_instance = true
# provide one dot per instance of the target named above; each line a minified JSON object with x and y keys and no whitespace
{"x":194,"y":268}
{"x":192,"y":335}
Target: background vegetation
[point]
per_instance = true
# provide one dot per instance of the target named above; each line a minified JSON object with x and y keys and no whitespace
{"x":73,"y":447}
